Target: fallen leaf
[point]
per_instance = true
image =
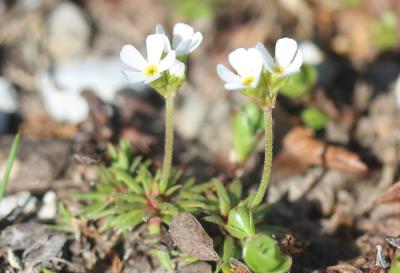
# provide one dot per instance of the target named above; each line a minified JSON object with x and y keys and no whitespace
{"x":392,"y":195}
{"x":301,"y":143}
{"x":238,"y":266}
{"x":343,"y":268}
{"x":188,"y":234}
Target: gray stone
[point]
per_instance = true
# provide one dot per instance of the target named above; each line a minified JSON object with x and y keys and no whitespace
{"x":68,"y":32}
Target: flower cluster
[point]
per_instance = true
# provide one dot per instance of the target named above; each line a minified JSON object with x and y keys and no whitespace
{"x":259,"y":75}
{"x":164,"y":68}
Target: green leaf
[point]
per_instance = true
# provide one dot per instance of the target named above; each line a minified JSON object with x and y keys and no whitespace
{"x":235,"y":192}
{"x":395,"y":267}
{"x":215,"y":220}
{"x":262,"y":255}
{"x":128,"y":197}
{"x":300,"y":84}
{"x":173,"y":189}
{"x":384,"y":31}
{"x":260,"y":212}
{"x":10,"y":161}
{"x":164,"y":259}
{"x":128,"y":180}
{"x":314,"y":118}
{"x":224,"y":201}
{"x":240,"y":222}
{"x":245,"y":126}
{"x":65,"y":214}
{"x":193,"y":9}
{"x":168,"y":209}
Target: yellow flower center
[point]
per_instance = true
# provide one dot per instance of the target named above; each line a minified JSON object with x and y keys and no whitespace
{"x":151,"y":70}
{"x":278,"y":70}
{"x":247,"y":81}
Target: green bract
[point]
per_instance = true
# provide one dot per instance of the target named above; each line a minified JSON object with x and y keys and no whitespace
{"x":167,"y":84}
{"x":240,"y":223}
{"x":262,"y":255}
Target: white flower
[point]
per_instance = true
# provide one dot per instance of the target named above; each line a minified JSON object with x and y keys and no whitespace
{"x":177,"y":69}
{"x":288,"y":58}
{"x":247,"y":63}
{"x":184,"y":40}
{"x":147,"y":70}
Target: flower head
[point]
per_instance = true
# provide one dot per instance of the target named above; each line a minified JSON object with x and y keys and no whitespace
{"x":288,"y":58}
{"x":247,"y":63}
{"x":149,"y":70}
{"x":184,"y":39}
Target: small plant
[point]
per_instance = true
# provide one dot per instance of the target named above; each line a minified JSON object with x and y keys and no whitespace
{"x":10,"y":162}
{"x":129,"y":194}
{"x":260,"y":77}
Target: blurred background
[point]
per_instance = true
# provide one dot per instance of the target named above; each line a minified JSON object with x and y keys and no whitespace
{"x":61,"y":86}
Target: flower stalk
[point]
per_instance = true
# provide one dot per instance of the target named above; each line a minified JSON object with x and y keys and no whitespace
{"x":169,"y":139}
{"x":267,"y":161}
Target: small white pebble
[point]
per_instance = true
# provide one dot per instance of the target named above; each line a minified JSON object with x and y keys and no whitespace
{"x":48,"y":210}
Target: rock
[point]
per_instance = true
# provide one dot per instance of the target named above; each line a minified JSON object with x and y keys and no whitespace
{"x":190,"y":116}
{"x":397,"y":91}
{"x":61,"y":90}
{"x":68,"y":33}
{"x":39,"y":163}
{"x":62,"y":105}
{"x":8,"y":102}
{"x":23,"y":200}
{"x":48,"y":210}
{"x":22,"y":236}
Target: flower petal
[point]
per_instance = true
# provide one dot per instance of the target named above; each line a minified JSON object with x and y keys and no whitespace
{"x":196,"y":41}
{"x":155,"y":47}
{"x":160,"y":29}
{"x":226,"y":75}
{"x":151,"y":79}
{"x":295,"y":66}
{"x":182,"y":32}
{"x":183,"y":48}
{"x":255,"y":61}
{"x":134,"y":76}
{"x":177,"y":69}
{"x":267,"y":58}
{"x":167,"y":62}
{"x":239,"y":60}
{"x":234,"y":86}
{"x":285,"y":51}
{"x":167,"y":45}
{"x":131,"y":56}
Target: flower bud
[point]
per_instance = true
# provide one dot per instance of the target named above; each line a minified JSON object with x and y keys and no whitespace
{"x":240,"y":223}
{"x":262,"y":254}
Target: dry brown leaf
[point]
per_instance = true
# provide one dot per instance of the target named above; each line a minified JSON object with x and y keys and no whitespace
{"x":188,"y":234}
{"x":343,"y":268}
{"x":301,"y":143}
{"x":392,"y":195}
{"x":239,"y":267}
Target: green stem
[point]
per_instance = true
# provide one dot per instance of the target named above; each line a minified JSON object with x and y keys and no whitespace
{"x":169,"y":140}
{"x":267,"y":162}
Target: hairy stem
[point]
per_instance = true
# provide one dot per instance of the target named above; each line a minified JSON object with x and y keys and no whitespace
{"x":267,"y":162}
{"x":169,"y":139}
